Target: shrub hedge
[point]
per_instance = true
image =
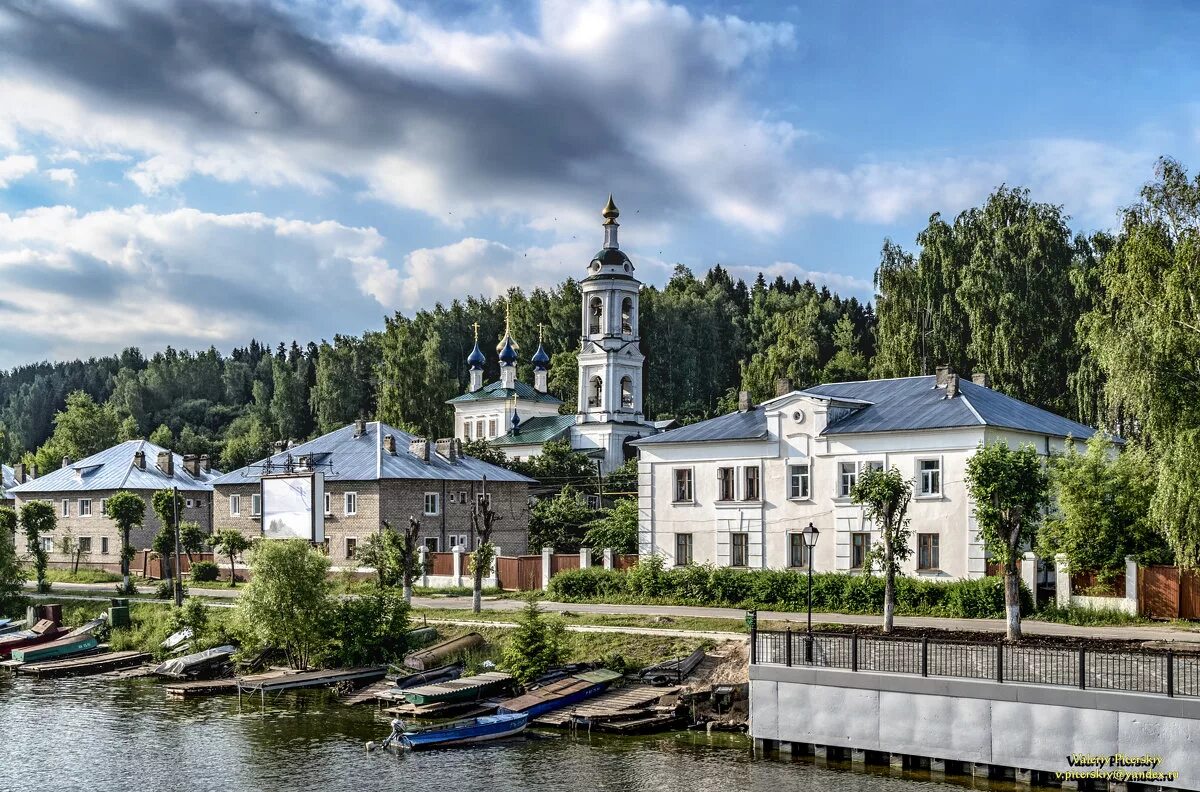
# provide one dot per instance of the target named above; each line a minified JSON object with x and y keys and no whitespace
{"x":204,"y":572}
{"x":833,"y":592}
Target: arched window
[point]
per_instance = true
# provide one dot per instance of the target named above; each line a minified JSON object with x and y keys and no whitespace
{"x":626,"y":392}
{"x":597,"y":387}
{"x":627,"y":316}
{"x":595,"y":315}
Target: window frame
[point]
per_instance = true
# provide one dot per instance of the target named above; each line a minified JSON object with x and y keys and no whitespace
{"x":691,"y":485}
{"x":796,"y":539}
{"x":865,"y":536}
{"x":256,"y":504}
{"x":79,"y":548}
{"x":794,"y":477}
{"x":235,"y":504}
{"x":845,"y":469}
{"x":328,"y":504}
{"x":493,"y":425}
{"x":103,"y":545}
{"x":480,"y":425}
{"x":187,"y":503}
{"x":437,"y":504}
{"x":431,"y":548}
{"x":104,"y":507}
{"x":737,"y":538}
{"x":936,"y":473}
{"x":346,"y":497}
{"x":686,"y":542}
{"x":752,"y":474}
{"x":721,"y":484}
{"x":66,"y":507}
{"x":80,"y":506}
{"x":350,"y":547}
{"x":929,"y":552}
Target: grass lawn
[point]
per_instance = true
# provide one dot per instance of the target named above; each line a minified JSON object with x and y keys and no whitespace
{"x":82,"y":576}
{"x":693,"y":623}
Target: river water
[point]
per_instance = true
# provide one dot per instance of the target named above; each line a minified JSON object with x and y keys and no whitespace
{"x":126,"y":735}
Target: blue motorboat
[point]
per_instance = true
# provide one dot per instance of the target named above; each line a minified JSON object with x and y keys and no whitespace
{"x":463,"y":732}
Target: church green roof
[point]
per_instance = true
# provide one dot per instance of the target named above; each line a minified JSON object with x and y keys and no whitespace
{"x":541,"y":429}
{"x":494,"y":390}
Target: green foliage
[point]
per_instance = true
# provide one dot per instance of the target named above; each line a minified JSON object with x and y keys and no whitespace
{"x":1176,"y":502}
{"x":162,"y":437}
{"x":385,"y":551}
{"x":11,"y":575}
{"x":192,"y":538}
{"x":370,"y":628}
{"x":289,"y":600}
{"x":617,"y":529}
{"x":81,"y":429}
{"x":557,"y":465}
{"x":560,"y":521}
{"x":230,"y":543}
{"x":205,"y":572}
{"x":884,"y":496}
{"x":486,"y":452}
{"x":535,"y":646}
{"x":1009,"y":489}
{"x":1085,"y":617}
{"x":37,"y":520}
{"x":1101,"y":507}
{"x":168,"y":506}
{"x":833,"y":592}
{"x":622,"y":482}
{"x":128,"y":511}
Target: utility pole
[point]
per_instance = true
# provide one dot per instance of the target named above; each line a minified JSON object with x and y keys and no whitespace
{"x":178,"y":571}
{"x":599,"y":487}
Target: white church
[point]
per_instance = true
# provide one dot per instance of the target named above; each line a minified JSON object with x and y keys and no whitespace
{"x":519,"y":418}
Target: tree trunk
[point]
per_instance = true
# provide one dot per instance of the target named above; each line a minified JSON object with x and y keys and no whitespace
{"x":889,"y":600}
{"x":1012,"y":600}
{"x":125,"y":560}
{"x":477,"y":592}
{"x":408,"y":591}
{"x":232,"y":574}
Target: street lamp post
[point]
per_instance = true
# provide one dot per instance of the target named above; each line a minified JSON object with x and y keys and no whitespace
{"x":810,"y":535}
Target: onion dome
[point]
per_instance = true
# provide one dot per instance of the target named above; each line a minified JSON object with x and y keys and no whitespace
{"x":508,"y":355}
{"x":516,"y":422}
{"x":476,"y":360}
{"x":610,"y":213}
{"x":540,"y":360}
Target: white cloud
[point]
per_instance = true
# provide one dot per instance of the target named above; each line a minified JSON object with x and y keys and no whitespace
{"x":88,"y":283}
{"x":15,"y":167}
{"x":66,"y":176}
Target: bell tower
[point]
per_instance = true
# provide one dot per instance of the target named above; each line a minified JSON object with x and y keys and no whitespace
{"x":610,"y":361}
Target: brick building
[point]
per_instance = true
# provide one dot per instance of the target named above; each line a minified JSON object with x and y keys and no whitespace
{"x":375,"y":473}
{"x":78,"y":491}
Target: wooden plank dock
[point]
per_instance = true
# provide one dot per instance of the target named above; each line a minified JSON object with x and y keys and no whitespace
{"x":367,"y":695}
{"x":276,"y":682}
{"x":84,"y":666}
{"x":203,"y":687}
{"x":627,"y":701}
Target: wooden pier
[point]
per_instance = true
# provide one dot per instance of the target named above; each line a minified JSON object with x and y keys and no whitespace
{"x":631,"y":702}
{"x":199,"y":688}
{"x":84,"y":666}
{"x":279,"y":681}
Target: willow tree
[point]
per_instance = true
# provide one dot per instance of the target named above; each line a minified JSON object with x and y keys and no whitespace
{"x":1145,"y":334}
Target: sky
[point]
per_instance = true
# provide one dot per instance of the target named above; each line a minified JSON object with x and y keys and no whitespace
{"x":201,"y":172}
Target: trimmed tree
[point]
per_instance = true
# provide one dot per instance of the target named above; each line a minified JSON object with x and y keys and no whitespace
{"x":38,"y":520}
{"x":885,"y":495}
{"x":128,"y":511}
{"x":483,"y":520}
{"x":192,"y":539}
{"x":230,"y":543}
{"x":289,"y":599}
{"x":1009,"y":489}
{"x":168,"y":505}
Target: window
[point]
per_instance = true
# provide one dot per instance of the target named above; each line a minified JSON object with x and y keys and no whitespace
{"x":466,"y":430}
{"x":798,"y":481}
{"x":187,"y":504}
{"x":931,"y":476}
{"x":847,"y":478}
{"x":66,"y":508}
{"x":432,"y":503}
{"x":683,"y":485}
{"x":627,"y":316}
{"x":103,"y":545}
{"x":873,"y":466}
{"x":479,"y":429}
{"x":431,"y":544}
{"x":626,"y":392}
{"x":593,"y":501}
{"x":255,"y":505}
{"x":483,"y":500}
{"x":751,"y":492}
{"x":85,"y":545}
{"x":797,"y":550}
{"x":462,"y":496}
{"x":459,"y":540}
{"x":595,"y":315}
{"x":48,"y":544}
{"x":199,"y":502}
{"x":928,"y":556}
{"x":104,"y":507}
{"x":739,"y":549}
{"x":491,"y":427}
{"x":725,"y":484}
{"x":351,"y":548}
{"x":683,"y":549}
{"x":595,"y":391}
{"x":235,"y":505}
{"x":860,"y":545}
{"x":351,"y":503}
{"x":85,"y":507}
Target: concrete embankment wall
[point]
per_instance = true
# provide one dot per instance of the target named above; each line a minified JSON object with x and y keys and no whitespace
{"x":1026,"y":727}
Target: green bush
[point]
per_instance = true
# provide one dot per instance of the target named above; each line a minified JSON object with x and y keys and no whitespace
{"x":785,"y":590}
{"x":204,"y":572}
{"x":371,"y":628}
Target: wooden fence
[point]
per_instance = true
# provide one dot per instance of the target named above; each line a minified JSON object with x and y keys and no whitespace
{"x":519,"y":573}
{"x":1167,"y":592}
{"x":442,"y":563}
{"x":148,"y":564}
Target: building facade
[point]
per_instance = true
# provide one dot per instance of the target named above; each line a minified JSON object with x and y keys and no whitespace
{"x":738,"y":490}
{"x":375,"y":474}
{"x":519,"y":418}
{"x":79,"y":490}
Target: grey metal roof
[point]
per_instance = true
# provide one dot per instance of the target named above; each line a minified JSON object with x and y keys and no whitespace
{"x":892,"y":405}
{"x":363,"y":458}
{"x":493,"y":390}
{"x":113,"y":469}
{"x":539,"y":429}
{"x":750,"y":425}
{"x":8,"y":480}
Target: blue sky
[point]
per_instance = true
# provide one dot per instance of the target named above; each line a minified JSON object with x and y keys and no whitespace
{"x":202,"y":172}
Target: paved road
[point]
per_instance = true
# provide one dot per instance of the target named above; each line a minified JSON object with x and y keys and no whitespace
{"x":1122,"y":633}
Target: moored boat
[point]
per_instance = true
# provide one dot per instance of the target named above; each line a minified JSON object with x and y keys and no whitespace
{"x":463,"y":732}
{"x":464,"y":689}
{"x":63,"y":647}
{"x":42,"y":632}
{"x":561,"y":693}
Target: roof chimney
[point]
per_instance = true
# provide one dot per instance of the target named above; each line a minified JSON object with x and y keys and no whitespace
{"x":19,"y":473}
{"x":389,"y":444}
{"x":139,"y":459}
{"x":33,"y":471}
{"x":783,"y":386}
{"x":66,"y":462}
{"x":419,"y":447}
{"x":205,"y":463}
{"x":744,"y":402}
{"x":951,"y":385}
{"x":943,"y":373}
{"x":166,"y":463}
{"x":191,"y":463}
{"x":981,"y":378}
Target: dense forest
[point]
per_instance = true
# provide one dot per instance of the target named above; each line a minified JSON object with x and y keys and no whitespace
{"x":1101,"y":327}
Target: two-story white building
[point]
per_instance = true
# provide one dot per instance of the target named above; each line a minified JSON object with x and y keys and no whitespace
{"x":737,"y":490}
